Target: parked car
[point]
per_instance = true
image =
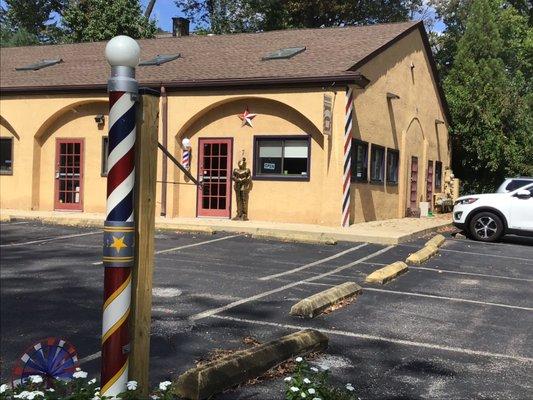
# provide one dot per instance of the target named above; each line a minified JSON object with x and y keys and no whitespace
{"x":486,"y":217}
{"x":510,"y":184}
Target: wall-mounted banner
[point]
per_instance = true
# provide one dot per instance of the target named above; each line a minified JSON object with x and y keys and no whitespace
{"x":328,"y":117}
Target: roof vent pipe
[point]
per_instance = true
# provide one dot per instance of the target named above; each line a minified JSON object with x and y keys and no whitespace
{"x":180,"y":26}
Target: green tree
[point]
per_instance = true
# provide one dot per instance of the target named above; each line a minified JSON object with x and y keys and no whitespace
{"x":30,"y":21}
{"x":225,"y":16}
{"x":489,"y":98}
{"x":92,"y":20}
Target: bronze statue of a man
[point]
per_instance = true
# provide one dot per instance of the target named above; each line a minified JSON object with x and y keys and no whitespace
{"x":243,"y":184}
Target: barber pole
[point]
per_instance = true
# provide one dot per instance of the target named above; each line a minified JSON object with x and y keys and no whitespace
{"x":347,"y":176}
{"x":185,"y":158}
{"x":122,"y":54}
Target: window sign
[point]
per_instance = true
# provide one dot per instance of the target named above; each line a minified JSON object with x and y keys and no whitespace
{"x":393,"y":157}
{"x":359,"y":160}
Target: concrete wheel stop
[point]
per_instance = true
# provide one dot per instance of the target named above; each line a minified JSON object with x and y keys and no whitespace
{"x":387,"y":273}
{"x":216,"y":376}
{"x":315,"y":304}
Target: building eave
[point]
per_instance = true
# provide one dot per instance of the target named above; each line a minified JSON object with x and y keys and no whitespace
{"x":352,"y":78}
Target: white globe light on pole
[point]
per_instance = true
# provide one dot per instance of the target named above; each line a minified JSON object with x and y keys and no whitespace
{"x":186,"y":143}
{"x":122,"y":51}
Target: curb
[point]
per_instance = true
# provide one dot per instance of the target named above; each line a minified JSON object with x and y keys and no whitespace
{"x":216,"y":376}
{"x":437,"y":241}
{"x":5,"y":218}
{"x":422,"y":255}
{"x":185,"y":228}
{"x":315,"y":304}
{"x":319,"y":238}
{"x":387,"y":273}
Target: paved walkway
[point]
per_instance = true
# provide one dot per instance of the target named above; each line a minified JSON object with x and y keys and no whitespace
{"x":392,"y":231}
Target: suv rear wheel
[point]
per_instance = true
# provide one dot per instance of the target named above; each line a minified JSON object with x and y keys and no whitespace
{"x":486,"y":227}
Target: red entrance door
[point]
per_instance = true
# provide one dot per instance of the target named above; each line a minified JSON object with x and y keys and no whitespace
{"x":414,"y":185}
{"x":214,"y":164}
{"x":69,"y":175}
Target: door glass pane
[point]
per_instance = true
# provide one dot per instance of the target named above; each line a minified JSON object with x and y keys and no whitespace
{"x":223,"y":149}
{"x":215,"y":149}
{"x":222,"y":203}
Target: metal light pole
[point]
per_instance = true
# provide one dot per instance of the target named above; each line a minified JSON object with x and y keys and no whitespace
{"x":122,"y":53}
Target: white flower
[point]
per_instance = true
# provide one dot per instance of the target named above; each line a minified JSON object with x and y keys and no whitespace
{"x":51,"y":390}
{"x":164,"y":385}
{"x":154,"y":397}
{"x":34,"y":394}
{"x":96,"y":395}
{"x":306,"y":380}
{"x":314,"y":369}
{"x":298,"y":359}
{"x":350,"y":387}
{"x":78,"y":369}
{"x":22,"y":395}
{"x":79,"y":375}
{"x":131,"y":385}
{"x":317,"y":398}
{"x":312,"y":391}
{"x":36,"y":378}
{"x":303,"y":395}
{"x":92,"y":381}
{"x":288,"y":379}
{"x":294,"y":389}
{"x":3,"y":388}
{"x":324,"y":368}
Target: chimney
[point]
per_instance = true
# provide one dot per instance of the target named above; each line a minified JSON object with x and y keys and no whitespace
{"x":180,"y":26}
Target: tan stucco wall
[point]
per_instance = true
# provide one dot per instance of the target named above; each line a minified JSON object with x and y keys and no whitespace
{"x":407,"y":124}
{"x":296,"y":113}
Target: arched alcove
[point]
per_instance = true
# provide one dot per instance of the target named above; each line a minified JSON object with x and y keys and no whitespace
{"x":66,"y":116}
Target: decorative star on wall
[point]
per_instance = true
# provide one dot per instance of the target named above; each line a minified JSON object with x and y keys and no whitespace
{"x":246,"y":117}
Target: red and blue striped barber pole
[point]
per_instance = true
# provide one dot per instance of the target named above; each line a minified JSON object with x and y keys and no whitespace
{"x":186,"y":158}
{"x":347,"y":175}
{"x":119,"y":227}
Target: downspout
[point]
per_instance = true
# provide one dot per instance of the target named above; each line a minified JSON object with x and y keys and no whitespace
{"x":164,"y":168}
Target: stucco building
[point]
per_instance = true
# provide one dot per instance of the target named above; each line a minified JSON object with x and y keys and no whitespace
{"x":292,"y":87}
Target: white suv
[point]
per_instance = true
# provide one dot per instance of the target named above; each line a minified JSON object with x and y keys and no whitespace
{"x":487,"y":217}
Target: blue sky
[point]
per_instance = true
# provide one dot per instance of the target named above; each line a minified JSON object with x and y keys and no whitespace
{"x":164,"y":10}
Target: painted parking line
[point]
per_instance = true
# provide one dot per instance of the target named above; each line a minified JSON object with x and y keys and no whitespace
{"x":185,"y":246}
{"x":447,"y":271}
{"x":15,"y":223}
{"x":432,"y":346}
{"x":312,"y":264}
{"x":473,"y":253}
{"x":431,"y":296}
{"x":94,"y":356}
{"x":217,"y":310}
{"x":50,"y":239}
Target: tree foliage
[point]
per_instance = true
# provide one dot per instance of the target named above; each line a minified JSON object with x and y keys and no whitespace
{"x":226,"y":16}
{"x":489,"y":93}
{"x":26,"y":22}
{"x":92,"y":20}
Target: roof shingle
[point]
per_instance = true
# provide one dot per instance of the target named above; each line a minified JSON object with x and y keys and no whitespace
{"x":330,"y":52}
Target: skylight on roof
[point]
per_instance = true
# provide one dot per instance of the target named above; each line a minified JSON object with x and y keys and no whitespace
{"x":39,"y":65}
{"x":285,"y":53}
{"x":160,"y":59}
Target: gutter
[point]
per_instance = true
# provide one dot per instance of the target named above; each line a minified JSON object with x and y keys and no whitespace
{"x":353,"y":78}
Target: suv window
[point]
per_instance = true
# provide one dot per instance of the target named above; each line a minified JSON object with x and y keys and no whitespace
{"x":515,"y":184}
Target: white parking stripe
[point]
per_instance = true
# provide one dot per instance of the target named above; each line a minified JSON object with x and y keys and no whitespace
{"x":365,"y":336}
{"x":473,"y":253}
{"x":431,"y":296}
{"x":94,"y":356}
{"x":217,"y":310}
{"x":50,"y":239}
{"x":447,"y":271}
{"x":312,"y":264}
{"x":185,"y":246}
{"x":15,"y":223}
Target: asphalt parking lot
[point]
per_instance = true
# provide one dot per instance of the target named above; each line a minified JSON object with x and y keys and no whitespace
{"x":459,"y":326}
